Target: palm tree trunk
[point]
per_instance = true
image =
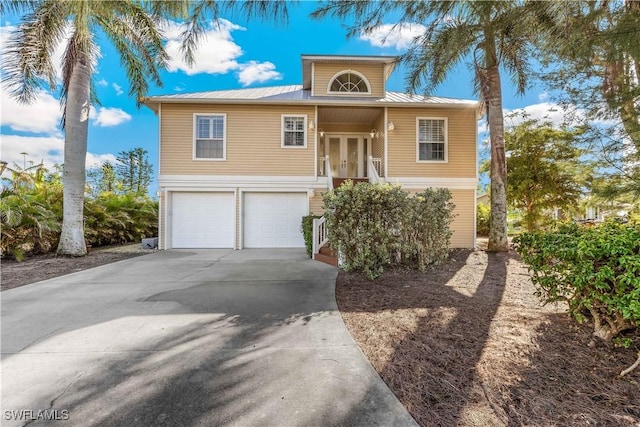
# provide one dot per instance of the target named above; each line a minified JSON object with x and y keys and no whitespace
{"x":72,"y":241}
{"x":492,"y":94}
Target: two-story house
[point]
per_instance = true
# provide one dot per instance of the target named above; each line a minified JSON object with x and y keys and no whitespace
{"x":239,"y":168}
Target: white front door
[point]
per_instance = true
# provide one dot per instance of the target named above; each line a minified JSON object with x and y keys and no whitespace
{"x":346,"y":156}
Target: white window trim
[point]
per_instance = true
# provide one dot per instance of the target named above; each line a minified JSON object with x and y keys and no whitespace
{"x":282,"y":117}
{"x":446,"y":140}
{"x":339,"y":73}
{"x":224,"y":137}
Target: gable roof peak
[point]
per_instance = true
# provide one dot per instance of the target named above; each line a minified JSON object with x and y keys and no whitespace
{"x":389,"y":63}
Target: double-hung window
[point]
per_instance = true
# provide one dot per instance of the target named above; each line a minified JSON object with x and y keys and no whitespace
{"x":294,"y":131}
{"x":432,"y":139}
{"x":210,"y":137}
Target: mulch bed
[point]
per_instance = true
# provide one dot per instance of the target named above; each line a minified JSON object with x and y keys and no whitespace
{"x":467,"y":343}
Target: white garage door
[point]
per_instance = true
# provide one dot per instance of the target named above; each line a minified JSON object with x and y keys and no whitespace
{"x":203,"y":220}
{"x":272,"y":220}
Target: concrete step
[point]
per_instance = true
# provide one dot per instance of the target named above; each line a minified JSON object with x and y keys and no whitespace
{"x":326,"y":250}
{"x":331,"y":260}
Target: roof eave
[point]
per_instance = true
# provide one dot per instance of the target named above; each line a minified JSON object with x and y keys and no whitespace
{"x":153,"y":102}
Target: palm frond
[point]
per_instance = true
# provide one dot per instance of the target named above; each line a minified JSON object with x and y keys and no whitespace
{"x":28,"y":57}
{"x":139,"y":44}
{"x":275,"y":11}
{"x":18,"y":6}
{"x":438,"y":53}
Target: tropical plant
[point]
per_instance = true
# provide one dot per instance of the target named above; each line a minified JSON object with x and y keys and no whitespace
{"x":30,"y":206}
{"x":28,"y":65}
{"x":489,"y":35}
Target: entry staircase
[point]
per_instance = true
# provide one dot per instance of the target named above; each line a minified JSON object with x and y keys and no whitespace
{"x":321,"y":248}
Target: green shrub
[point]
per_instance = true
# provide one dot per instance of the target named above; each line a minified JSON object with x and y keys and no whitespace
{"x":31,"y":215}
{"x":483,"y":214}
{"x":307,"y":232}
{"x":596,"y":270}
{"x":115,"y":219}
{"x":376,"y":225}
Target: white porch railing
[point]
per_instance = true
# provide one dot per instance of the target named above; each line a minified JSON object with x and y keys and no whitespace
{"x":328,"y":173}
{"x":373,"y":169}
{"x":320,"y":234}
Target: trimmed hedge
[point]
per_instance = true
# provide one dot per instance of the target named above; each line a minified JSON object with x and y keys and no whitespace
{"x":307,"y":232}
{"x":377,"y":225}
{"x":596,"y":270}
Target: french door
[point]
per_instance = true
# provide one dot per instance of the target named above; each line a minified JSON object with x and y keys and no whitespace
{"x":347,"y":155}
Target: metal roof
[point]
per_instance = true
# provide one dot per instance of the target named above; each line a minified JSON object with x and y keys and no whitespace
{"x":293,"y":94}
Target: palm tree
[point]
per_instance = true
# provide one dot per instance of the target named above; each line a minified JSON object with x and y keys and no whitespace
{"x":490,"y":35}
{"x":28,"y":64}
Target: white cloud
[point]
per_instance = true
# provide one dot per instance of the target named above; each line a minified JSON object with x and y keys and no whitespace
{"x":105,"y":117}
{"x":46,"y":149}
{"x":543,"y":111}
{"x":258,"y":72}
{"x":41,"y":116}
{"x":102,"y":82}
{"x":216,"y":52}
{"x":117,"y":88}
{"x":391,"y":35}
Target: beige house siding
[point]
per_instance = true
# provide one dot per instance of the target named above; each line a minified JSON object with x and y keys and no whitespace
{"x":463,"y":225}
{"x":253,"y":141}
{"x":323,"y":73}
{"x":461,"y":144}
{"x":316,"y":204}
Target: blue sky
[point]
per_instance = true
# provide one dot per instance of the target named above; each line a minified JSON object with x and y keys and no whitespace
{"x":235,"y":54}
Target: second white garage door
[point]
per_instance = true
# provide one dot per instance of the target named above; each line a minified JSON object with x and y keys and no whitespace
{"x":203,"y":220}
{"x":272,"y":220}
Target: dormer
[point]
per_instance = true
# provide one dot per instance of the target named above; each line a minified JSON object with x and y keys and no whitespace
{"x":346,"y":76}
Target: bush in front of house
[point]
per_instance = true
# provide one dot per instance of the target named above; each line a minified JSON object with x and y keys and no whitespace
{"x":483,"y":215}
{"x":378,"y":225}
{"x":307,"y":232}
{"x":596,"y":270}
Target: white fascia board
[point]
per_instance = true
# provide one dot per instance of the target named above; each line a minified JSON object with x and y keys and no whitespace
{"x":228,"y":181}
{"x":417,"y":182}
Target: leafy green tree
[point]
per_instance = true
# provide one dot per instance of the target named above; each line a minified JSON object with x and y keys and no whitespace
{"x":102,"y":179}
{"x":134,"y":171}
{"x":545,"y":169}
{"x":490,"y":36}
{"x":594,"y":54}
{"x":28,"y":65}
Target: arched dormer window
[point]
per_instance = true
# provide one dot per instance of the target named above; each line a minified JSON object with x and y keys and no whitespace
{"x":349,"y":81}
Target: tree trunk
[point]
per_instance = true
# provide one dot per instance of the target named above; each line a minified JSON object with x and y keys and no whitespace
{"x":72,"y":241}
{"x":492,"y":94}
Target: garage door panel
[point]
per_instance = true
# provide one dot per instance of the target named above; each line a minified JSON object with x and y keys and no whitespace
{"x":203,"y":220}
{"x":272,"y":220}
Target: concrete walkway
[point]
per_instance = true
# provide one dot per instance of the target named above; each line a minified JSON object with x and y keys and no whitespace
{"x":188,"y":338}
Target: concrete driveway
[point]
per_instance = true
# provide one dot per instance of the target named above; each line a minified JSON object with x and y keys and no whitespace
{"x":188,"y":338}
